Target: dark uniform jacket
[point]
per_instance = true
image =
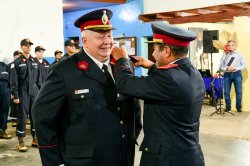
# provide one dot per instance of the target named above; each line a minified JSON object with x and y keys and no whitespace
{"x":76,"y":116}
{"x":4,"y":75}
{"x":173,"y":97}
{"x":55,"y":62}
{"x":65,"y":56}
{"x":44,"y":68}
{"x":25,"y":76}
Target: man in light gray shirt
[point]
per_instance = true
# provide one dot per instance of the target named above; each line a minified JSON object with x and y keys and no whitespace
{"x":232,"y":63}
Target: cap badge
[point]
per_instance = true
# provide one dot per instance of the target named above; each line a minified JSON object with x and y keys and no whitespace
{"x":105,"y":18}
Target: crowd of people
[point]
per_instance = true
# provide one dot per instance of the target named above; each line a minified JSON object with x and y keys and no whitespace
{"x":20,"y":82}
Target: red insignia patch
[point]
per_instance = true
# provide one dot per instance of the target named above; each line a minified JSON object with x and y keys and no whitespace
{"x":83,"y":65}
{"x":168,"y":66}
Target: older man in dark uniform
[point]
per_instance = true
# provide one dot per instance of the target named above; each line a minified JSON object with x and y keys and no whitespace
{"x":78,"y":118}
{"x":173,"y":94}
{"x":25,"y":83}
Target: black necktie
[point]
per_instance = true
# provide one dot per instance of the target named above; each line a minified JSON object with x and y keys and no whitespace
{"x":107,"y":74}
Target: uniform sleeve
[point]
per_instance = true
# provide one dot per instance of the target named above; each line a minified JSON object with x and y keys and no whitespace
{"x":47,"y":111}
{"x":39,"y":78}
{"x":156,"y":86}
{"x":14,"y":79}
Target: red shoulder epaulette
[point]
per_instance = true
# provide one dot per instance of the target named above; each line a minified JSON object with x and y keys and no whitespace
{"x":168,"y":66}
{"x":112,"y":61}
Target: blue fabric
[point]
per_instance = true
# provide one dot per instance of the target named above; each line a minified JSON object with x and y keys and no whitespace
{"x":236,"y":79}
{"x":218,"y":86}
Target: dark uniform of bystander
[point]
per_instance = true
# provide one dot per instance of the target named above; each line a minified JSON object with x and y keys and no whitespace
{"x":13,"y":106}
{"x":4,"y":100}
{"x":25,"y":82}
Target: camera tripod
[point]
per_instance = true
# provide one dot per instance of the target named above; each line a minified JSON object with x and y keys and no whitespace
{"x":217,"y":101}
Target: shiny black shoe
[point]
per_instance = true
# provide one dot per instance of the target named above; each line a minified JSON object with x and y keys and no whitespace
{"x":239,"y":110}
{"x":227,"y":110}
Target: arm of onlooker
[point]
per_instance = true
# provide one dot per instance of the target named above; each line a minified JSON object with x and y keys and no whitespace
{"x":47,"y":113}
{"x":39,"y":77}
{"x":14,"y":81}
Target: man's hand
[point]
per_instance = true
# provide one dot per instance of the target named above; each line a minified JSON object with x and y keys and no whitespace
{"x":118,"y":53}
{"x":16,"y":101}
{"x":231,"y":69}
{"x":143,"y":62}
{"x":11,"y":97}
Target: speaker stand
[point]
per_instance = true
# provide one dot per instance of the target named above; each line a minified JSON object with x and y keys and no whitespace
{"x":211,"y":63}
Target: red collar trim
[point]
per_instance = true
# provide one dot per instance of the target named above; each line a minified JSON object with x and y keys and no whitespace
{"x":93,"y":23}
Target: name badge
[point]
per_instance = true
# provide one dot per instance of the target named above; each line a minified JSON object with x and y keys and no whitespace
{"x":81,"y":91}
{"x":5,"y":72}
{"x":24,"y":64}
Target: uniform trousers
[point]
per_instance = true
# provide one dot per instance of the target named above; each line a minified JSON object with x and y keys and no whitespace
{"x":236,"y":79}
{"x":24,"y":111}
{"x":4,"y":106}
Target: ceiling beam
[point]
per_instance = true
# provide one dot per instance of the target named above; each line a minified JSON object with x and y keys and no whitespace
{"x":210,"y":17}
{"x":110,"y":1}
{"x":220,"y":13}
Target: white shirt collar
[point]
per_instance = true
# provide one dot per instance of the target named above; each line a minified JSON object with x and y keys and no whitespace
{"x":98,"y":63}
{"x":40,"y":60}
{"x":177,"y":60}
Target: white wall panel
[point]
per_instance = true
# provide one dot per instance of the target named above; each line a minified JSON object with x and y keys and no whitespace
{"x":39,"y":20}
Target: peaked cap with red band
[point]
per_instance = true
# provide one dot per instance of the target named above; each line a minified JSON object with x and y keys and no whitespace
{"x":170,"y":34}
{"x":95,"y":20}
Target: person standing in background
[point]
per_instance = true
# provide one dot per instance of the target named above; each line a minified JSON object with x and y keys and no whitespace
{"x":44,"y":64}
{"x":4,"y":100}
{"x":78,"y":48}
{"x":70,"y":48}
{"x":58,"y":56}
{"x":13,"y":106}
{"x":232,"y":63}
{"x":25,"y":82}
